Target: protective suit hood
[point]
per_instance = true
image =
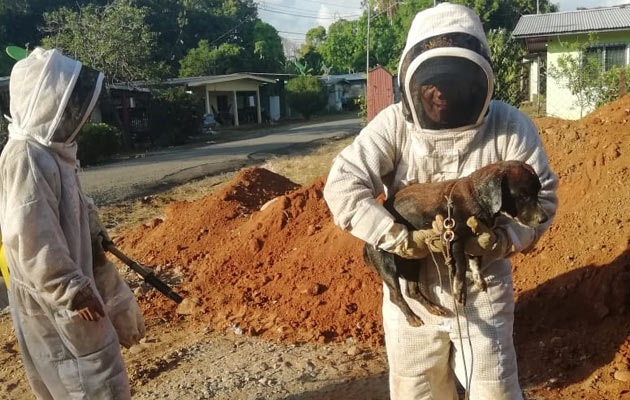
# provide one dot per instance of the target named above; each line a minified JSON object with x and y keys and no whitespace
{"x":52,"y":97}
{"x":445,"y":73}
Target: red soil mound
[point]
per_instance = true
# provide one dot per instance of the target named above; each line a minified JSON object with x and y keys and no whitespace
{"x":287,"y":272}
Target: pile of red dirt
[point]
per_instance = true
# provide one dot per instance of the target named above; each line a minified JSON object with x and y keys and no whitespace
{"x":285,"y":272}
{"x":288,"y":273}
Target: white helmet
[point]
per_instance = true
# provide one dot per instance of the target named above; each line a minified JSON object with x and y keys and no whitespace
{"x":445,"y":74}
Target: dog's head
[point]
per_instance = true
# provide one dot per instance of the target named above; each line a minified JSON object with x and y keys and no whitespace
{"x":511,"y":187}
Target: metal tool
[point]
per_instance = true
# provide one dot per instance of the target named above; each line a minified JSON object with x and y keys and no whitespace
{"x":149,"y":276}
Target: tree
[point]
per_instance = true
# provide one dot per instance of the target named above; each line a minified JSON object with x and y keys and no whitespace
{"x":581,"y":73}
{"x":507,"y":65}
{"x":315,"y":37}
{"x":268,"y":51}
{"x":338,"y":51}
{"x":306,"y":94}
{"x":204,"y":60}
{"x":113,"y":39}
{"x":310,"y":55}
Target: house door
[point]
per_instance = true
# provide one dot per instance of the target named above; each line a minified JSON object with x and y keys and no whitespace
{"x":224,"y":117}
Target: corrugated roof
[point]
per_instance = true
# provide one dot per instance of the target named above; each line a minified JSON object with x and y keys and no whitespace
{"x":207,"y":80}
{"x":579,"y":21}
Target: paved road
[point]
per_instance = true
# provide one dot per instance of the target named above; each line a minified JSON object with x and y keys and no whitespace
{"x":127,"y":179}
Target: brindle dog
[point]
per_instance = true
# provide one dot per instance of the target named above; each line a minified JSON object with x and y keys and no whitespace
{"x":507,"y":187}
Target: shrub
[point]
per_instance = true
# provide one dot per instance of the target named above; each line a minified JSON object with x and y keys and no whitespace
{"x":175,"y":115}
{"x":96,"y":142}
{"x":306,"y":95}
{"x":362,"y":104}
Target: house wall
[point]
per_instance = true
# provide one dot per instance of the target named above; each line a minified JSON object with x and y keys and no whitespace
{"x":240,"y":85}
{"x":560,"y":102}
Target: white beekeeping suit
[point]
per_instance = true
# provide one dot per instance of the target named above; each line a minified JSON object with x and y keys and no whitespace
{"x":46,"y":234}
{"x":446,"y":127}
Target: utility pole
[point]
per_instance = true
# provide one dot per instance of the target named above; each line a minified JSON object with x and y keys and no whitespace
{"x":367,"y":57}
{"x":537,"y":7}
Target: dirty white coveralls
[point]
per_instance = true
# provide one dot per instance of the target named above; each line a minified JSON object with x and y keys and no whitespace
{"x":391,"y":152}
{"x":46,"y":234}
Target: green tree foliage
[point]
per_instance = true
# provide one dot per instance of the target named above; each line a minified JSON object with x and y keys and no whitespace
{"x":267,"y":48}
{"x":114,"y":39}
{"x":306,"y":94}
{"x":96,"y":142}
{"x":582,"y":73}
{"x":507,"y":55}
{"x":205,"y":60}
{"x":175,"y":115}
{"x":310,"y":55}
{"x":338,"y":51}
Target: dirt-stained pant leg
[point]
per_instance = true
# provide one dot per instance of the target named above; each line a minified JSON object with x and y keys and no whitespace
{"x":490,"y":322}
{"x":418,"y":358}
{"x":422,"y":360}
{"x":65,"y":357}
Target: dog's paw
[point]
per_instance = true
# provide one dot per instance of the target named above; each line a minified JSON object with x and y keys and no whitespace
{"x":415,"y":321}
{"x":481,"y":284}
{"x":437,"y":310}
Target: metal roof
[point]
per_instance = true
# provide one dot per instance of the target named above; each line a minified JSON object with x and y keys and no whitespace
{"x":578,"y":21}
{"x":208,"y":80}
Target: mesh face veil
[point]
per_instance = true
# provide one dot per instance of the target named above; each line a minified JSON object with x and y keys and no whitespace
{"x":80,"y":105}
{"x":446,"y":82}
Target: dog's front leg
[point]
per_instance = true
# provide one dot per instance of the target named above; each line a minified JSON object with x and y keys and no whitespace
{"x":474,"y":263}
{"x":459,"y":275}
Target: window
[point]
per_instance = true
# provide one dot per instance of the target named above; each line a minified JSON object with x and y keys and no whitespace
{"x":615,"y":56}
{"x":608,"y":56}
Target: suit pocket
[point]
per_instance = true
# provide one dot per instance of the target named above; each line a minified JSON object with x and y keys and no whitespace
{"x":83,"y":337}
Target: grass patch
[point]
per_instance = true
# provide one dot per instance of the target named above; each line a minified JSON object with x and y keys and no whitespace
{"x":305,"y":168}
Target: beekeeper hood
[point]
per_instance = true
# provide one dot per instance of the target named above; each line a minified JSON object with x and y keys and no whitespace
{"x":52,"y":97}
{"x":445,"y":74}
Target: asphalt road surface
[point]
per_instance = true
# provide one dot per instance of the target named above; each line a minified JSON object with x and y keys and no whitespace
{"x":123,"y":180}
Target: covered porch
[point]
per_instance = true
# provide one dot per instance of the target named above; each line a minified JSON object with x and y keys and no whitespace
{"x":232,"y":99}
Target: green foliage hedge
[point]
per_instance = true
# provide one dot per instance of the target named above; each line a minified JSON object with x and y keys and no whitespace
{"x":306,"y":94}
{"x":175,"y":115}
{"x":97,"y":142}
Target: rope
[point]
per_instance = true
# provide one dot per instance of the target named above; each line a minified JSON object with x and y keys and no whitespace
{"x":447,"y":237}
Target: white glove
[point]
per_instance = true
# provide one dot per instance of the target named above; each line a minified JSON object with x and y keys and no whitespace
{"x":120,"y":304}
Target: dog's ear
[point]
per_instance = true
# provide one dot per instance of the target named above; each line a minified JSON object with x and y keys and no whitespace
{"x":490,"y":192}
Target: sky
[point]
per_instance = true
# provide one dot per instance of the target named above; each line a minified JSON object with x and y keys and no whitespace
{"x":293,"y":18}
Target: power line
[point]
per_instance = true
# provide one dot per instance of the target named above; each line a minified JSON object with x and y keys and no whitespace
{"x":307,"y":16}
{"x":270,"y":5}
{"x":331,"y":4}
{"x":295,"y":33}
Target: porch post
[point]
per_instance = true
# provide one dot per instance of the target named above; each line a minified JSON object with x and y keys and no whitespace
{"x":235,"y":109}
{"x":207,"y":99}
{"x":258,"y":105}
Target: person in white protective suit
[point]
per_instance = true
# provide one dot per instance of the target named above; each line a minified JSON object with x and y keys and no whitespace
{"x":445,"y":127}
{"x":67,"y":324}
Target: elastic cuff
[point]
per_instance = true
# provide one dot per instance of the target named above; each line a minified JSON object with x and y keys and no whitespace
{"x":371,"y":222}
{"x":394,"y":237}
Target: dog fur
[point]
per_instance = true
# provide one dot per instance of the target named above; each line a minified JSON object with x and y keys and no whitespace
{"x":507,"y":187}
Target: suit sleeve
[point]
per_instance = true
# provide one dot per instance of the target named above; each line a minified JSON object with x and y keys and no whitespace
{"x":524,"y":144}
{"x":33,"y":232}
{"x":356,"y":179}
